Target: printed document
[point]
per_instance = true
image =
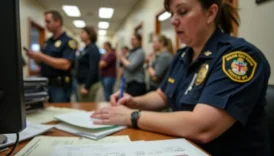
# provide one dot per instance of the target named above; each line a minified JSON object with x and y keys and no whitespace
{"x":44,"y":145}
{"x":176,"y":147}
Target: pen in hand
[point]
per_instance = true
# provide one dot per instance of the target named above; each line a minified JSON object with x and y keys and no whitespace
{"x":122,"y":86}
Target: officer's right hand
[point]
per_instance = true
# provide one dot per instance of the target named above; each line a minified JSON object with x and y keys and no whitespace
{"x":126,"y":100}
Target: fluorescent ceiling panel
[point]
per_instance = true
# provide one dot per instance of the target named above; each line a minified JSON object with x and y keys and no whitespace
{"x":103,"y":25}
{"x":106,"y":12}
{"x":79,"y":23}
{"x":102,"y":32}
{"x":164,"y":16}
{"x":71,"y":10}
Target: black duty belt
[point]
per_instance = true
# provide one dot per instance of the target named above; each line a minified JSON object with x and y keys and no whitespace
{"x":61,"y":81}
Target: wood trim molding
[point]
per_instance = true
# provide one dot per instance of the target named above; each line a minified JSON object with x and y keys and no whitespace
{"x":157,"y":22}
{"x":235,"y":4}
{"x":42,"y":37}
{"x":139,"y":26}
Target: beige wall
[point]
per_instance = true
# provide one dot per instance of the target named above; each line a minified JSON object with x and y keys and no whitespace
{"x":102,"y":39}
{"x":144,"y":12}
{"x":257,"y":27}
{"x":30,"y":9}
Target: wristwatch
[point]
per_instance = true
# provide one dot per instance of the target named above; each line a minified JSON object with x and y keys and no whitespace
{"x":134,"y":119}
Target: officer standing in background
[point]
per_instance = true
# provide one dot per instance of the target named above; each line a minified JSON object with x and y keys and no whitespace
{"x":56,"y":58}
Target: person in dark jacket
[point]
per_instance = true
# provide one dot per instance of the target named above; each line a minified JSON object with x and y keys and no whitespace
{"x":88,"y":66}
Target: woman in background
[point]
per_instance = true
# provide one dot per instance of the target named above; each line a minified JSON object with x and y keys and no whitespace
{"x":124,"y":52}
{"x":158,"y":65}
{"x":88,"y":66}
{"x":133,"y":68}
{"x":108,"y":70}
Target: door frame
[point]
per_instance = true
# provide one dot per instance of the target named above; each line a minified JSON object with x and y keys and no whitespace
{"x":42,"y":38}
{"x":140,"y":26}
{"x":158,"y":29}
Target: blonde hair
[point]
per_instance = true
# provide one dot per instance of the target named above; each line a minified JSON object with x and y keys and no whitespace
{"x":167,"y":43}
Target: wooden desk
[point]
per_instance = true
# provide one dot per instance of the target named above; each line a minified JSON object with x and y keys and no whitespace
{"x":133,"y":134}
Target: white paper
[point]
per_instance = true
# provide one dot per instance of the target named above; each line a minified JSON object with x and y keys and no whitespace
{"x":36,"y":100}
{"x":44,"y":146}
{"x":88,"y":133}
{"x":150,"y":148}
{"x":47,"y":115}
{"x":30,"y":131}
{"x":80,"y":119}
{"x":42,"y":93}
{"x":35,"y":79}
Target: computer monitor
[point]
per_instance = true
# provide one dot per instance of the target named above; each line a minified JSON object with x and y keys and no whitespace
{"x":12,"y":110}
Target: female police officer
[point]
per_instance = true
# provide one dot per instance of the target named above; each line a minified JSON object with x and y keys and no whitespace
{"x":216,"y":86}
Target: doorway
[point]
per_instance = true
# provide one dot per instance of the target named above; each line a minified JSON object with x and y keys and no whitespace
{"x":36,"y":41}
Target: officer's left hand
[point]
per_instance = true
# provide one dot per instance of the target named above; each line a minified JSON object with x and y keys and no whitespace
{"x":84,"y":91}
{"x":34,"y":55}
{"x":113,"y":115}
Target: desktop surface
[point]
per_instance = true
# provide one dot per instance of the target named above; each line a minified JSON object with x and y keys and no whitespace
{"x":134,"y":135}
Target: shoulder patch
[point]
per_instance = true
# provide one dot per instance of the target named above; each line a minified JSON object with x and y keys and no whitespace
{"x":72,"y":44}
{"x":239,"y":66}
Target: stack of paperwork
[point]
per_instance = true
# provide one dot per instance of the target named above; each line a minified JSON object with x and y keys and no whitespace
{"x":80,"y":123}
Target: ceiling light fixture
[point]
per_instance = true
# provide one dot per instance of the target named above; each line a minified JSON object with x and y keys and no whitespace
{"x":71,"y":10}
{"x":102,"y":32}
{"x":106,"y":12}
{"x":103,"y":25}
{"x":79,"y":23}
{"x":164,"y":16}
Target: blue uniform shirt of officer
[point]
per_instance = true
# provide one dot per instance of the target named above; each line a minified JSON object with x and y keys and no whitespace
{"x":62,"y":47}
{"x":60,"y":82}
{"x":230,"y":74}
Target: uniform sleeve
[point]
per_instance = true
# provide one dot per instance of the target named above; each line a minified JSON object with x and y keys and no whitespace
{"x":171,"y":65}
{"x":70,"y":50}
{"x":162,"y":65}
{"x":164,"y":82}
{"x":94,"y":58}
{"x":236,"y":84}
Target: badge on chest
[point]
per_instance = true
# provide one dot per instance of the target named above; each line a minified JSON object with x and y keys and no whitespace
{"x":58,"y":43}
{"x":198,"y":78}
{"x":202,"y":73}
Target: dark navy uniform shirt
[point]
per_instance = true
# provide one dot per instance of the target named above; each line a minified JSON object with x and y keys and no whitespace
{"x":62,"y":47}
{"x":88,"y":66}
{"x":230,"y":74}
